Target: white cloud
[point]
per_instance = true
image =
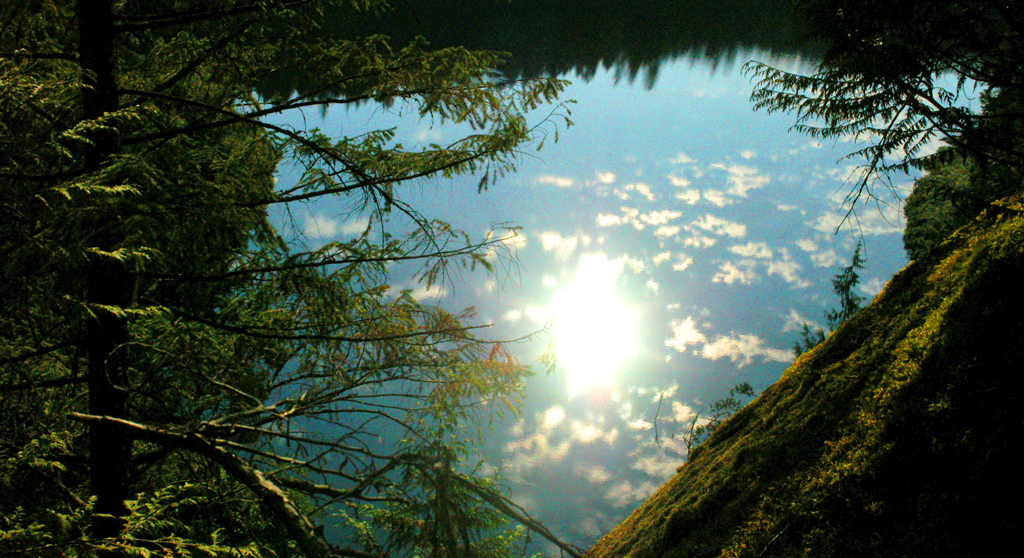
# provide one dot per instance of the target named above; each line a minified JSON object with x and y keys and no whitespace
{"x":666,"y":231}
{"x":683,"y":263}
{"x":699,"y":241}
{"x":827,"y":258}
{"x":422,"y":292}
{"x":561,"y":246}
{"x":874,"y":221}
{"x":606,"y":177}
{"x":807,"y":245}
{"x":634,"y":264}
{"x":676,"y":180}
{"x":550,"y":418}
{"x":787,"y":269}
{"x":654,"y":218}
{"x":593,"y":473}
{"x":630,"y":216}
{"x":752,"y":250}
{"x":667,"y":392}
{"x":682,"y":413}
{"x":659,"y":465}
{"x":730,"y":274}
{"x":684,"y":333}
{"x":587,"y":433}
{"x":538,"y":315}
{"x":743,"y":349}
{"x":716,"y":198}
{"x":530,"y":452}
{"x":691,"y":196}
{"x":807,"y":146}
{"x":748,"y":154}
{"x":508,"y":243}
{"x":682,"y":159}
{"x":639,"y":424}
{"x":641,"y":189}
{"x":743,"y":179}
{"x":624,"y":493}
{"x":428,"y":134}
{"x":721,"y":226}
{"x":661,"y":257}
{"x":321,"y":226}
{"x":872,"y":287}
{"x":795,"y":322}
{"x":559,"y":181}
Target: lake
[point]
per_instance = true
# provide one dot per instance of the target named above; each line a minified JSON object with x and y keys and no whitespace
{"x":674,"y":240}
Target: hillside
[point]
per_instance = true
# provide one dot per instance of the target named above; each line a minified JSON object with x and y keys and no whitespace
{"x":901,"y":435}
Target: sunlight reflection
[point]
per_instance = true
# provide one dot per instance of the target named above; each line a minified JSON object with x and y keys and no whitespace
{"x":595,"y":330}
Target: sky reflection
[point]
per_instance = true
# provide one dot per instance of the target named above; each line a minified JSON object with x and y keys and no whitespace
{"x":594,"y":329}
{"x":712,"y":228}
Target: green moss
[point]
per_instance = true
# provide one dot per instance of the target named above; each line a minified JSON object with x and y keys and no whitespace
{"x":892,"y":438}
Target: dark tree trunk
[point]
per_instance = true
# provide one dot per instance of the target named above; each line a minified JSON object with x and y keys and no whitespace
{"x":108,"y":283}
{"x":110,"y":449}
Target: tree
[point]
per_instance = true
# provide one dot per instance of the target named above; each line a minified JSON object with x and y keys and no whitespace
{"x":177,"y":374}
{"x":702,"y":425}
{"x":898,"y":75}
{"x":843,"y":284}
{"x":941,"y":202}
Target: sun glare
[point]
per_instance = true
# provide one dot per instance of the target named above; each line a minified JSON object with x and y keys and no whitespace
{"x":595,"y":330}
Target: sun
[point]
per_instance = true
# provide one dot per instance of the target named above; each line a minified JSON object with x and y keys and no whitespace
{"x":595,"y":329}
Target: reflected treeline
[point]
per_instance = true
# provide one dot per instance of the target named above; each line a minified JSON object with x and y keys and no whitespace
{"x":559,"y":37}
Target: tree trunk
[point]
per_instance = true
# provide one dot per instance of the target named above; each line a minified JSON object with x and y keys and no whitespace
{"x":108,"y":284}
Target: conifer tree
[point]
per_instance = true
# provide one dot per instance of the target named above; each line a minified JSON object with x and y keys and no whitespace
{"x":843,"y":284}
{"x":179,"y":376}
{"x":899,"y":75}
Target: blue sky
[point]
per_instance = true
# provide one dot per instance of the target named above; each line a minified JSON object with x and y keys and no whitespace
{"x":684,"y":235}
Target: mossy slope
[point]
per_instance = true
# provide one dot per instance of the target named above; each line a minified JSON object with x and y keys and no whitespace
{"x":901,"y":435}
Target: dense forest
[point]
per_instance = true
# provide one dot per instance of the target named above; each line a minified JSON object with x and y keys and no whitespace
{"x":179,"y":376}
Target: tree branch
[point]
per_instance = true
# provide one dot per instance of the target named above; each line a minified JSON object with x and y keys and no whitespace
{"x":505,"y":507}
{"x":277,"y":502}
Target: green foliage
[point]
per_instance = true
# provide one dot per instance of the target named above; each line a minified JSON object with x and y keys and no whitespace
{"x":843,"y":284}
{"x":932,"y":210}
{"x":898,"y":436}
{"x":37,"y":516}
{"x":178,"y":375}
{"x":959,"y":184}
{"x":809,"y":338}
{"x":899,"y":75}
{"x":702,"y":425}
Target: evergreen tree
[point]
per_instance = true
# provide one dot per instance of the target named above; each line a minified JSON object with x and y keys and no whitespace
{"x":899,"y":74}
{"x":843,"y":284}
{"x":938,"y":205}
{"x":176,"y":374}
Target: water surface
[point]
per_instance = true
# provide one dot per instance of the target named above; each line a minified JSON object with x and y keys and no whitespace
{"x":687,"y":237}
